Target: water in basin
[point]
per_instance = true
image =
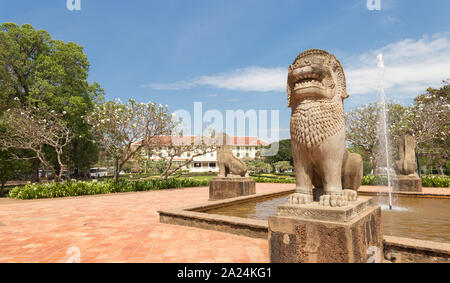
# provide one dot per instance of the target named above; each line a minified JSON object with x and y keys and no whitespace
{"x":419,"y":218}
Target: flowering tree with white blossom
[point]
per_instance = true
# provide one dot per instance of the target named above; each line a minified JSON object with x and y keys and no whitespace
{"x":33,"y":129}
{"x":363,"y":124}
{"x":428,"y":119}
{"x":124,"y":129}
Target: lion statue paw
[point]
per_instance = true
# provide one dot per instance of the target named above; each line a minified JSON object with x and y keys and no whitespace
{"x":350,"y":195}
{"x":299,"y":198}
{"x":333,"y":200}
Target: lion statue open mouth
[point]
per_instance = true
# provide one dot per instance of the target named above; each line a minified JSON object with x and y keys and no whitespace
{"x":316,"y":89}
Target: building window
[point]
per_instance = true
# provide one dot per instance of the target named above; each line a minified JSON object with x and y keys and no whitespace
{"x":197,"y":165}
{"x":212,"y":165}
{"x":238,"y":154}
{"x":247,"y":155}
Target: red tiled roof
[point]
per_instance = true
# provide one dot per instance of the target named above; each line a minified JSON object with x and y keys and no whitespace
{"x":248,"y":141}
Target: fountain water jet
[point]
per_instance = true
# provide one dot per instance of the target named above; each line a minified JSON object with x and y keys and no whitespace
{"x":384,"y":123}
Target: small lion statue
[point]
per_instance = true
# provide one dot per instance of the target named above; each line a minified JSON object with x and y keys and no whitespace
{"x":226,"y":160}
{"x":406,"y":165}
{"x":316,"y":89}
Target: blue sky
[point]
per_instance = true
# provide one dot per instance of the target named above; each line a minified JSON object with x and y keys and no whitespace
{"x":234,"y":54}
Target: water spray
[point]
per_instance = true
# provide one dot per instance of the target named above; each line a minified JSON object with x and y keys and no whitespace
{"x":384,"y":123}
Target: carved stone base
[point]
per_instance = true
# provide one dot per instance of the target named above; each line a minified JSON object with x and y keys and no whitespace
{"x":231,"y":187}
{"x":407,"y":184}
{"x":315,"y":234}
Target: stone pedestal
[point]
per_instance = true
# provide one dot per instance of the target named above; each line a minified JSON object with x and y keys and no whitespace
{"x":231,"y":187}
{"x":407,"y":184}
{"x":315,"y":234}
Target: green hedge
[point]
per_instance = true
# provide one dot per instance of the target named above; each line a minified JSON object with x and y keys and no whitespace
{"x":274,"y":180}
{"x":374,"y":180}
{"x":369,"y":180}
{"x":201,"y":174}
{"x":272,"y":176}
{"x":80,"y":188}
{"x":427,"y":181}
{"x":436,"y":181}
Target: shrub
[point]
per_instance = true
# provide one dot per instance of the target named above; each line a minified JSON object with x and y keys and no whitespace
{"x":438,"y":181}
{"x":427,"y":181}
{"x":201,"y":174}
{"x":74,"y":188}
{"x":290,"y":174}
{"x":271,"y":176}
{"x":374,"y":180}
{"x":274,"y":180}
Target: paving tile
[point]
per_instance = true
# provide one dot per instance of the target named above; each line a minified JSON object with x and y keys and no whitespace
{"x":119,"y":228}
{"x":124,"y":228}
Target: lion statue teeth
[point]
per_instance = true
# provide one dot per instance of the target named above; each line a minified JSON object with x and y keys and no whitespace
{"x":316,"y":88}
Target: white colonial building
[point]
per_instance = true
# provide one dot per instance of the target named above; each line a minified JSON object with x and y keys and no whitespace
{"x":245,"y":148}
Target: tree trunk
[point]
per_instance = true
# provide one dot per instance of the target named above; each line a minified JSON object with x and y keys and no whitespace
{"x":374,"y":166}
{"x":3,"y":187}
{"x":76,"y":171}
{"x":116,"y":173}
{"x":35,"y":163}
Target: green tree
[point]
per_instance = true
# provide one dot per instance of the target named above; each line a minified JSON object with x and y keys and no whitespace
{"x":161,"y":165}
{"x":10,"y":168}
{"x":284,"y":153}
{"x":258,"y":166}
{"x":283,"y":166}
{"x":42,"y":72}
{"x":428,"y":120}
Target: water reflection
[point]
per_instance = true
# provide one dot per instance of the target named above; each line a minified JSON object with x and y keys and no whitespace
{"x":419,"y":218}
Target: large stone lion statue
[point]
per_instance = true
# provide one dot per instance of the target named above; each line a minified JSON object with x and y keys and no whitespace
{"x":316,"y":89}
{"x":227,"y":162}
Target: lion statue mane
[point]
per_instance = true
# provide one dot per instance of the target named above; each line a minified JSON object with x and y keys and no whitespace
{"x":316,"y":88}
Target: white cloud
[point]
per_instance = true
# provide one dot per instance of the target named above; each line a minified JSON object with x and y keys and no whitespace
{"x":247,"y":79}
{"x":411,"y":67}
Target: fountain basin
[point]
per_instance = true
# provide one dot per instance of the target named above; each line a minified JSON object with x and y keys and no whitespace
{"x":200,"y":216}
{"x":419,"y":218}
{"x":421,"y":235}
{"x":422,"y":218}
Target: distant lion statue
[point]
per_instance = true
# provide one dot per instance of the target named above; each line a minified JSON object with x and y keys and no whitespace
{"x":227,"y":162}
{"x":316,"y":88}
{"x":406,"y":165}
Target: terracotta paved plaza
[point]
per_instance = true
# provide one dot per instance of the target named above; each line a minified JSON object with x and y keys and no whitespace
{"x":120,"y":228}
